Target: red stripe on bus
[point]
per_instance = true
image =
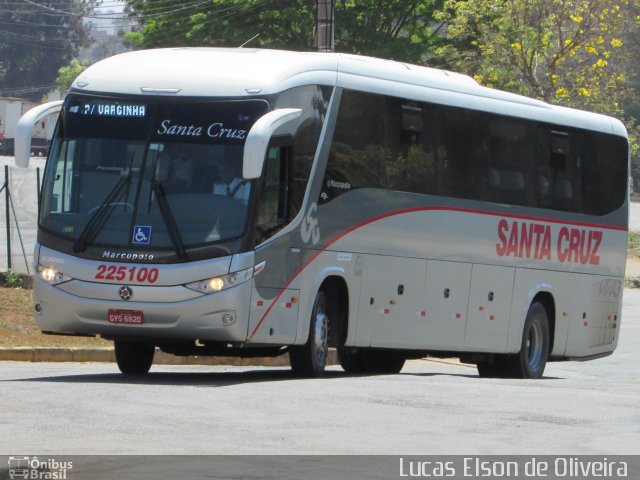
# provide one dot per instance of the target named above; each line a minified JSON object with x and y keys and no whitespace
{"x":422,"y":209}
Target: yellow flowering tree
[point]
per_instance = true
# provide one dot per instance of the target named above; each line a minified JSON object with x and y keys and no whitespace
{"x":562,"y":51}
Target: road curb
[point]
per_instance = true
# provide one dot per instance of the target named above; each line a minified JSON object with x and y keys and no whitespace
{"x":107,"y":355}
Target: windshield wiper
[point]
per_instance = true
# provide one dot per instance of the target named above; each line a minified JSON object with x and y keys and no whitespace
{"x":97,"y":221}
{"x":169,"y":219}
{"x":102,"y":213}
{"x":165,"y":210}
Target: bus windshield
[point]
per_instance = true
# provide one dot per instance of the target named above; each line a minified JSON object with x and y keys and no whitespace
{"x":150,"y":174}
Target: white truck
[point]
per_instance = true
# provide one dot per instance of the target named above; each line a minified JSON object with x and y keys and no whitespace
{"x":11,"y":109}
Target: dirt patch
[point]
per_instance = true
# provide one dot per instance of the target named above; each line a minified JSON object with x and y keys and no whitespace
{"x":18,"y":328}
{"x":633,"y":268}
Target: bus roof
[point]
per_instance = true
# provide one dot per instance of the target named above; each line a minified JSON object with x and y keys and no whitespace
{"x":245,"y":72}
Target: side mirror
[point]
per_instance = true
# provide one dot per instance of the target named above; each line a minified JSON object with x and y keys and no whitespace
{"x":24,"y":130}
{"x":255,"y":147}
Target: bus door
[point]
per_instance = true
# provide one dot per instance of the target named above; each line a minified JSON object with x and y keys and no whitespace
{"x":282,"y":259}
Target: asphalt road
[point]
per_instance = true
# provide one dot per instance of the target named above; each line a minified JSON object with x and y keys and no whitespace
{"x":430,"y":408}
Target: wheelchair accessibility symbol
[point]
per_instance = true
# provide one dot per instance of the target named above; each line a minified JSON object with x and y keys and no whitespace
{"x":142,"y":234}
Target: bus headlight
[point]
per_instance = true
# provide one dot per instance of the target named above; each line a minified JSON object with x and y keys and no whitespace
{"x":217,"y":284}
{"x":51,"y":275}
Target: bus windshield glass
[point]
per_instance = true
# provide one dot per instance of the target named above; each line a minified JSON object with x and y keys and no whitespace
{"x":148,"y":174}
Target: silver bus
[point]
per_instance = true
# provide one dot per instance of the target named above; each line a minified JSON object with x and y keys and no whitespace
{"x":244,"y":202}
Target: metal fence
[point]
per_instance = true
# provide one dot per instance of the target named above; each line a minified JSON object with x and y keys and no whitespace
{"x":18,"y":214}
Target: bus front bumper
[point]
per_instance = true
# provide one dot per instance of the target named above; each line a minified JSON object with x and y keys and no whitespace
{"x":221,"y":316}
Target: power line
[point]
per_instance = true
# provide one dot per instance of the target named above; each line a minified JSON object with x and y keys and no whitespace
{"x":31,"y":41}
{"x":19,"y":90}
{"x":158,"y":9}
{"x":46,"y":7}
{"x":184,"y":6}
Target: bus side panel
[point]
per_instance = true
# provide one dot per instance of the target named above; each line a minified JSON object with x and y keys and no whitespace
{"x":367,"y":307}
{"x":279,"y":322}
{"x":489,"y":308}
{"x":594,"y":329}
{"x":444,"y":312}
{"x":355,"y":283}
{"x":397,"y":292}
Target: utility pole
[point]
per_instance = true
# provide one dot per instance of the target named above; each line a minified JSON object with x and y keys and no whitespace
{"x":324,"y":28}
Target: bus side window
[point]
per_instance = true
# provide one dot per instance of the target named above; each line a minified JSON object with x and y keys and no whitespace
{"x":61,"y":198}
{"x":273,"y":207}
{"x":562,"y":170}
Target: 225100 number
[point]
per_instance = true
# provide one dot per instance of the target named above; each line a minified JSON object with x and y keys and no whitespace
{"x":132,"y":274}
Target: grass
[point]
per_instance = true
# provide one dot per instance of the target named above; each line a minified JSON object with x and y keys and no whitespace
{"x":632,"y":283}
{"x":634,"y":245}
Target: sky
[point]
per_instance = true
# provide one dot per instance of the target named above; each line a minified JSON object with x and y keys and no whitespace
{"x":102,"y":17}
{"x":113,"y":5}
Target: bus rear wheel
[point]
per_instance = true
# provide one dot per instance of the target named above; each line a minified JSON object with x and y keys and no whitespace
{"x":351,"y":360}
{"x":310,"y":359}
{"x":382,"y":361}
{"x":534,"y":349}
{"x":134,"y":358}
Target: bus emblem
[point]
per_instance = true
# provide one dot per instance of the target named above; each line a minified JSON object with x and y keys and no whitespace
{"x":310,"y":231}
{"x":125,"y":293}
{"x":610,"y":288}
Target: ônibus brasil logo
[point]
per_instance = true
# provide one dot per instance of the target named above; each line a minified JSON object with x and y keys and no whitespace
{"x":37,"y":469}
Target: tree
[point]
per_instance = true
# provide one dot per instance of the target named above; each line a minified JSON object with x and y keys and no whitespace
{"x":68,"y":73}
{"x":103,"y":48}
{"x":398,"y":30}
{"x":395,"y":29}
{"x":228,"y":23}
{"x":561,"y":51}
{"x":573,"y":53}
{"x":36,"y":39}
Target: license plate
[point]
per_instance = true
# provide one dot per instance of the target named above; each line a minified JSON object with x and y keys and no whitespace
{"x":127,"y":317}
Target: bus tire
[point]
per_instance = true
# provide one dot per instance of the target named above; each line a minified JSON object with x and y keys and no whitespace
{"x":534,"y":350}
{"x":310,"y":359}
{"x":382,"y":361}
{"x":134,"y":358}
{"x":351,"y":360}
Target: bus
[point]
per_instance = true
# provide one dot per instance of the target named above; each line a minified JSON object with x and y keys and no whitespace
{"x":253,"y":202}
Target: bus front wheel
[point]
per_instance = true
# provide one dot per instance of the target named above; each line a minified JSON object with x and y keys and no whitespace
{"x":134,"y":358}
{"x":310,"y":359}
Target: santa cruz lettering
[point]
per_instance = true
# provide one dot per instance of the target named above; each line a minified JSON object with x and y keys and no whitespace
{"x":577,"y":245}
{"x":535,"y":241}
{"x":215,"y":130}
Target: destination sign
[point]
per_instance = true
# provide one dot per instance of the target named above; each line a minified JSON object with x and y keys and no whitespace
{"x":110,"y":109}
